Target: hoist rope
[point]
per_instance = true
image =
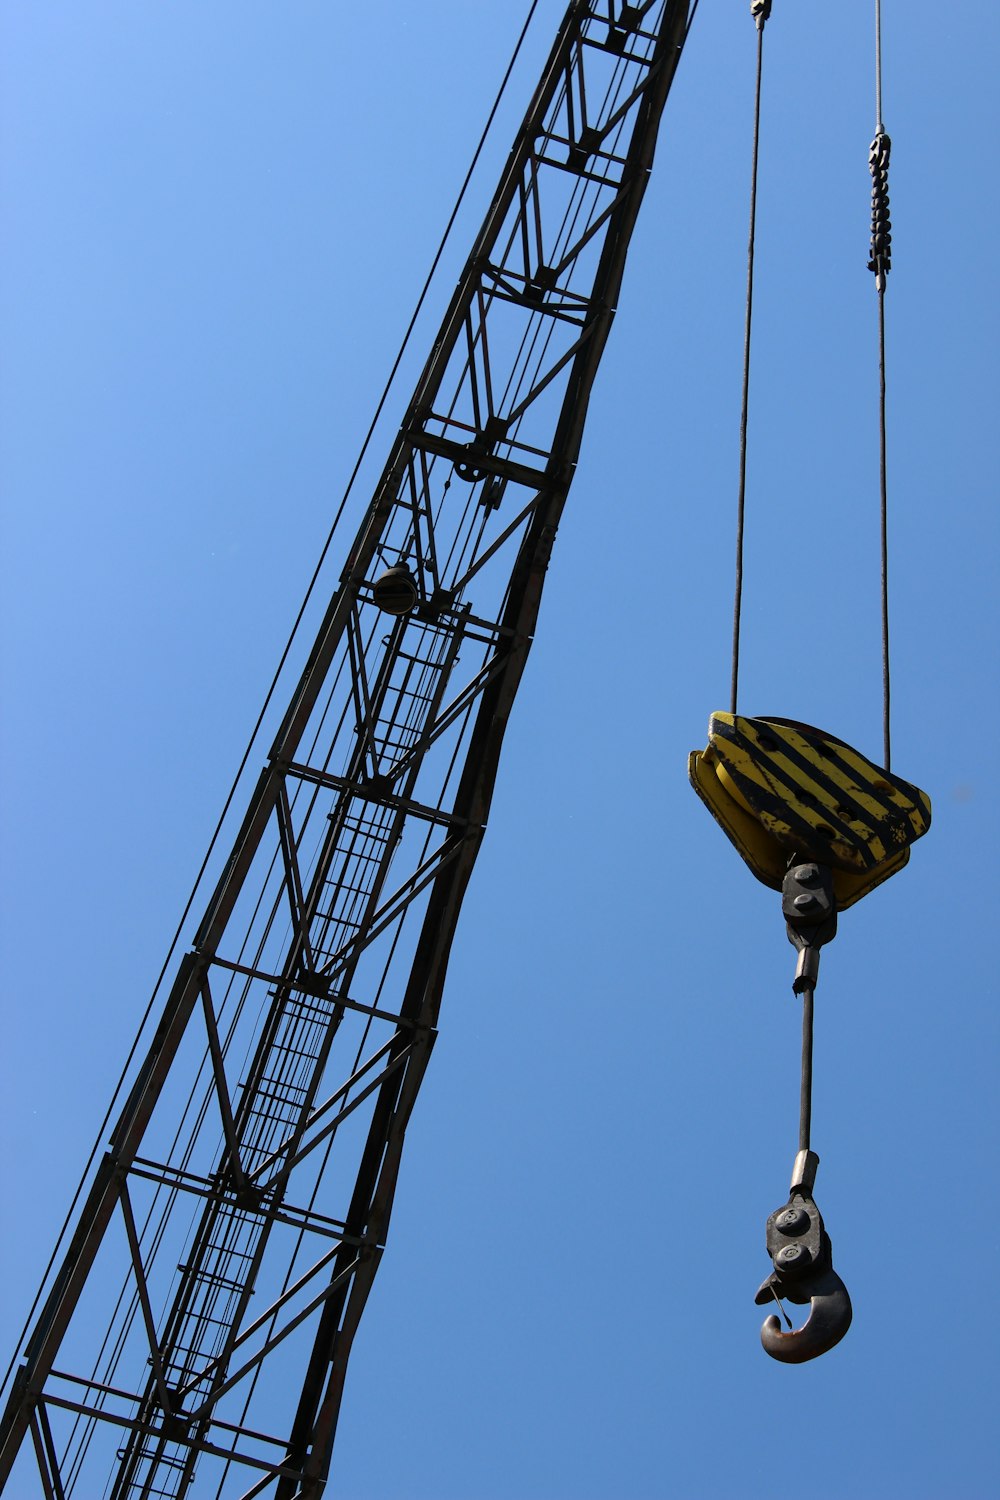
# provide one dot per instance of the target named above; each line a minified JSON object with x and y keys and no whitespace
{"x":879,"y":263}
{"x":805,"y":1087}
{"x":878,"y":67}
{"x":760,"y":10}
{"x":883,"y":533}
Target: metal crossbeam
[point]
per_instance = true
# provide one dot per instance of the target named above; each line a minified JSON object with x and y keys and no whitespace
{"x":275,"y":1097}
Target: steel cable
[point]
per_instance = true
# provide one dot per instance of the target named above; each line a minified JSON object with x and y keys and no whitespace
{"x":883,"y":534}
{"x":268,"y":698}
{"x":879,"y":263}
{"x":760,"y":13}
{"x":805,"y":1087}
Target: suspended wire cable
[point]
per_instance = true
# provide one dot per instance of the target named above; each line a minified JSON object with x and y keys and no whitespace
{"x":879,"y":262}
{"x":204,"y":1314}
{"x":271,"y":691}
{"x":364,"y":1037}
{"x":878,"y":67}
{"x":805,"y":1088}
{"x":883,"y":535}
{"x":760,"y":10}
{"x":619,"y":128}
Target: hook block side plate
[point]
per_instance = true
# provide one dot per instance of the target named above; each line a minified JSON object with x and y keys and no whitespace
{"x":780,"y":789}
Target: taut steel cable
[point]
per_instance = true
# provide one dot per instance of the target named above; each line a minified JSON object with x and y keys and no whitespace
{"x":879,"y":262}
{"x":286,"y":650}
{"x":760,"y":10}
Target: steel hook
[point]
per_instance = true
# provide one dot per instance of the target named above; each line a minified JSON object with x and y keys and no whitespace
{"x":829,"y":1317}
{"x":802,"y":1256}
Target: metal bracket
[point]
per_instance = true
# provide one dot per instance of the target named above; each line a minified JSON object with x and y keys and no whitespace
{"x":810,"y":910}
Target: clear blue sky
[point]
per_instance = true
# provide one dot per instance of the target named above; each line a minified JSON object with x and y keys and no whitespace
{"x":218,"y":217}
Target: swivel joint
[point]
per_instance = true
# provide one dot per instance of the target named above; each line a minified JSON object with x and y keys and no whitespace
{"x":809,"y":906}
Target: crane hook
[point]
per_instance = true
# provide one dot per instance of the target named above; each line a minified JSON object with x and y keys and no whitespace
{"x":829,"y":1317}
{"x":802,"y":1255}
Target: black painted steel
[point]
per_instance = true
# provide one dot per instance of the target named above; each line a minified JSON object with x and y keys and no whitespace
{"x":797,"y":1241}
{"x":203,"y":1314}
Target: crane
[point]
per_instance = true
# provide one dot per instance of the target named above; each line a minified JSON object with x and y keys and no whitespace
{"x":242,"y":1205}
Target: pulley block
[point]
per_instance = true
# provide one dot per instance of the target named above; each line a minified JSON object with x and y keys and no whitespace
{"x":396,"y":591}
{"x":780,"y":789}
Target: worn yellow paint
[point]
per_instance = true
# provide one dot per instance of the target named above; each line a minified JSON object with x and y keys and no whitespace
{"x":782,"y":790}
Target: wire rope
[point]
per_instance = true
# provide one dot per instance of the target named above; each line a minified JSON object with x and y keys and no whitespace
{"x":269,"y":694}
{"x":879,"y":263}
{"x":760,"y":12}
{"x":805,"y":1087}
{"x":884,"y":537}
{"x":172,"y":1193}
{"x":878,"y":67}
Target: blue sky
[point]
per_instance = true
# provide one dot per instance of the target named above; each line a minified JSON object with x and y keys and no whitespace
{"x":218,"y":219}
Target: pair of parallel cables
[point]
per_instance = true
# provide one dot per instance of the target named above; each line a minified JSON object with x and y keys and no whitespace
{"x":879,"y":263}
{"x":759,"y":779}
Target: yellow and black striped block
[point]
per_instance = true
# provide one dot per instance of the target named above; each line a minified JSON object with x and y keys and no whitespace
{"x":781,"y":789}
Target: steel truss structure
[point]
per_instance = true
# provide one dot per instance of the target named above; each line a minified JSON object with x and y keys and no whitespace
{"x":200,"y":1324}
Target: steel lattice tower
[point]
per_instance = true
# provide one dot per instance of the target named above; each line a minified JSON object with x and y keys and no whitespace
{"x":240,"y":1213}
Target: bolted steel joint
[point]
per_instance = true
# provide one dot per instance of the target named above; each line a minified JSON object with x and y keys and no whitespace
{"x":810,"y":911}
{"x":792,"y":1220}
{"x":793,"y":1257}
{"x":795,"y":1237}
